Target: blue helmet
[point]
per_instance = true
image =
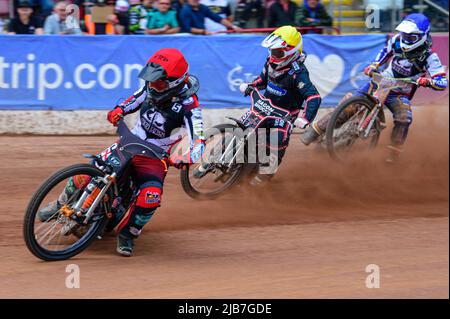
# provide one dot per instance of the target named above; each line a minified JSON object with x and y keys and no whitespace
{"x":414,"y":30}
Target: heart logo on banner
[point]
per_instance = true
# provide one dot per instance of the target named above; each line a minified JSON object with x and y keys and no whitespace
{"x":326,"y":74}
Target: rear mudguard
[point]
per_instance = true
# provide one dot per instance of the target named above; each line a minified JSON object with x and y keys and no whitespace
{"x":238,"y":122}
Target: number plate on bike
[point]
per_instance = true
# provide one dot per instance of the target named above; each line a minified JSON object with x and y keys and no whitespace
{"x":251,"y":119}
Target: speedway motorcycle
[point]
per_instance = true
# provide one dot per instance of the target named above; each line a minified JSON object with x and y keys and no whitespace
{"x":229,"y":153}
{"x":356,"y":124}
{"x":91,"y":210}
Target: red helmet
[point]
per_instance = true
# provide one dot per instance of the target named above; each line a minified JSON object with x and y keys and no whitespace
{"x":165,"y":74}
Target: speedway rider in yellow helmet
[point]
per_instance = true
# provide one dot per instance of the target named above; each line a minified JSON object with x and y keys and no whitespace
{"x":286,"y":82}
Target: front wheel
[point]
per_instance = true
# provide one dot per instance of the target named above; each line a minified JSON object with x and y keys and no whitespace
{"x":222,"y":164}
{"x":344,"y":134}
{"x":49,"y":232}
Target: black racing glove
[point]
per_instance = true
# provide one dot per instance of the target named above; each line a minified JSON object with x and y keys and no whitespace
{"x":248,"y":90}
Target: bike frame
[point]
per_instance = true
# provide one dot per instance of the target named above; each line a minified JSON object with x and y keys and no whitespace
{"x":108,"y":180}
{"x":129,"y":143}
{"x":380,"y":96}
{"x":261,"y":110}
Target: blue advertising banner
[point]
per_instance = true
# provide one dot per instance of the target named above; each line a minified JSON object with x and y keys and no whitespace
{"x":97,"y":72}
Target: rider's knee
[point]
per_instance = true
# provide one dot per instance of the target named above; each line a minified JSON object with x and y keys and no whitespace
{"x":403,"y":117}
{"x":81,"y":181}
{"x":401,"y":109}
{"x":149,"y":196}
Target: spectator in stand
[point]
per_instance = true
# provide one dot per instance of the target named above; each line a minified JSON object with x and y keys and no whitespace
{"x":92,"y":28}
{"x":221,"y":8}
{"x":25,"y":22}
{"x":57,"y":24}
{"x":41,"y":8}
{"x":281,"y":13}
{"x":164,"y":20}
{"x":137,"y":16}
{"x":121,"y":13}
{"x":113,"y":20}
{"x":192,"y":18}
{"x":150,"y":5}
{"x":313,"y":14}
{"x":246,"y":9}
{"x":177,"y":5}
{"x":46,"y":7}
{"x":4,"y":13}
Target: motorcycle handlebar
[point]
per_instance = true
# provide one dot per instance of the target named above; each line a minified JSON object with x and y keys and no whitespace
{"x":408,"y":80}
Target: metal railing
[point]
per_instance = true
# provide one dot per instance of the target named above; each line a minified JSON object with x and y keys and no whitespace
{"x":434,"y":12}
{"x":434,"y":5}
{"x":268,"y":30}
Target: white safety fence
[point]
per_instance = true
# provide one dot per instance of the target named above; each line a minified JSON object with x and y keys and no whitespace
{"x":87,"y":122}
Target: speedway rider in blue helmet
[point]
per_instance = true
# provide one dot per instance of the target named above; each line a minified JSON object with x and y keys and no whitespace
{"x":407,"y":54}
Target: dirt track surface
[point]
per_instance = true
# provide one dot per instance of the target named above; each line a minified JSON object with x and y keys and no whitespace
{"x":310,"y":233}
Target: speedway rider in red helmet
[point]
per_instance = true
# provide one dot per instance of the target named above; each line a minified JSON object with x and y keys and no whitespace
{"x":166,"y":102}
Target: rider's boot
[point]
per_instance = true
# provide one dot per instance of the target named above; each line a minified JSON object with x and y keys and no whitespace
{"x":131,"y":228}
{"x":50,"y":211}
{"x":393,"y":154}
{"x":398,"y":136}
{"x":125,"y":245}
{"x":200,"y":170}
{"x":311,"y":134}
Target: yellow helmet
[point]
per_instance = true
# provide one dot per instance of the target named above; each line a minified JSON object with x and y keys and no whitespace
{"x":285,"y":44}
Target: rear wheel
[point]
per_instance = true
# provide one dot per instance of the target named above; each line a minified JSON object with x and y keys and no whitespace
{"x":343,"y":135}
{"x":216,"y":173}
{"x":57,"y":236}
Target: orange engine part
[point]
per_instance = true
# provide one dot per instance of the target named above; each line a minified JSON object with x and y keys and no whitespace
{"x":90,"y":199}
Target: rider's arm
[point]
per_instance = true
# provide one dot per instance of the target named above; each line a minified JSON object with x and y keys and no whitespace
{"x":193,"y":122}
{"x":436,"y":70}
{"x":261,"y":81}
{"x":134,"y":102}
{"x":384,"y":55}
{"x":309,"y":93}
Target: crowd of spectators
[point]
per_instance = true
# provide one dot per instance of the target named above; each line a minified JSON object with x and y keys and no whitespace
{"x":161,"y":16}
{"x":186,"y":16}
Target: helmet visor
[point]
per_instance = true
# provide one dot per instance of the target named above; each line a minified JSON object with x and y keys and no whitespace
{"x":152,"y":72}
{"x":277,"y":53}
{"x":410,"y":38}
{"x":159,"y":85}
